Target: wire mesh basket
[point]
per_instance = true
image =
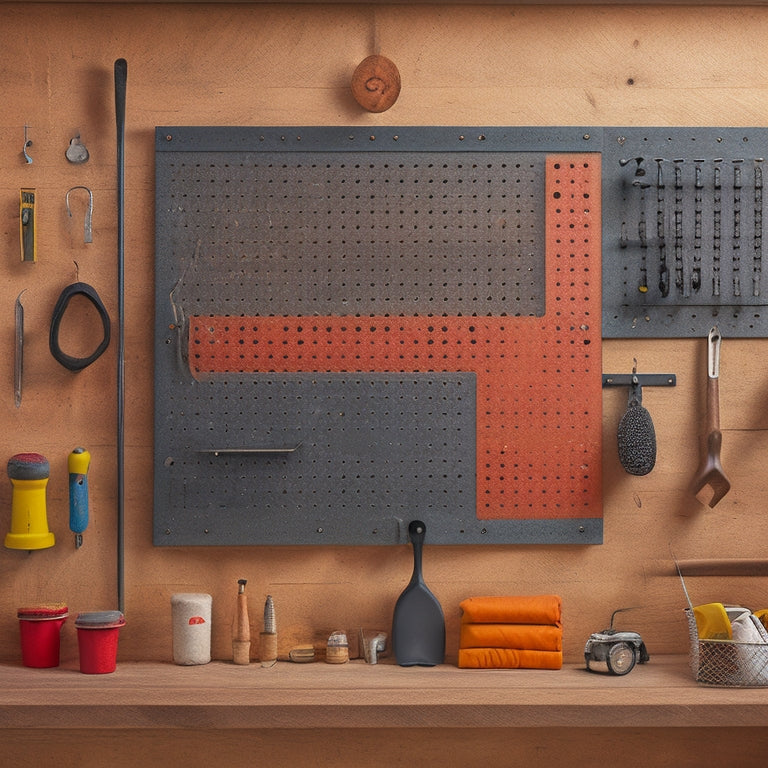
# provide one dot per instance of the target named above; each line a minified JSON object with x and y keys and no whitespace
{"x":726,"y":663}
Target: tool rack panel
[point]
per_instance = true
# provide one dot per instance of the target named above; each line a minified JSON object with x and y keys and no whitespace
{"x":357,"y":328}
{"x":683,"y":223}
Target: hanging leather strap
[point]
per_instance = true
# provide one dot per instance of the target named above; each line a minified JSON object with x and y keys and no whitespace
{"x":68,"y":361}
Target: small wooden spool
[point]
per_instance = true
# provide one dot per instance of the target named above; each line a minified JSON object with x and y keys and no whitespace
{"x":268,"y":648}
{"x":337,"y":649}
{"x":376,"y":83}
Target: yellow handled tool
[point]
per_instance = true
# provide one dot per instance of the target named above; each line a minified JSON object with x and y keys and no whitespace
{"x":29,"y":524}
{"x":78,"y":463}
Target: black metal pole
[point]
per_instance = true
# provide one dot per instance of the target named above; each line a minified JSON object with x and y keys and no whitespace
{"x":121,"y":77}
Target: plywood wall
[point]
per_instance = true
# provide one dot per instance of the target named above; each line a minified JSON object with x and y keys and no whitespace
{"x":291,"y":65}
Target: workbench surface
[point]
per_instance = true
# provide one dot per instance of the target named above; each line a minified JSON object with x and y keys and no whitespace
{"x":221,"y":695}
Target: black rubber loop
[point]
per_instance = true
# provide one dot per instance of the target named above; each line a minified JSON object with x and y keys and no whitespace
{"x":68,"y":361}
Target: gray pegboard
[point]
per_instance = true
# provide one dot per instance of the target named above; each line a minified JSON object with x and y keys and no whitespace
{"x":361,"y":237}
{"x":314,"y":459}
{"x":272,"y":243}
{"x":684,"y":216}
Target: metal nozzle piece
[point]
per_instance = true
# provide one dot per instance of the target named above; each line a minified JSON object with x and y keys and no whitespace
{"x":372,"y":642}
{"x":270,"y":626}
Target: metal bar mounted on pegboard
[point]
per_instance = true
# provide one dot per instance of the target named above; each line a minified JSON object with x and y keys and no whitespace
{"x":641,"y":379}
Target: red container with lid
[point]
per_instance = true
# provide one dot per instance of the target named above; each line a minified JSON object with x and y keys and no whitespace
{"x":40,"y":630}
{"x":97,"y":636}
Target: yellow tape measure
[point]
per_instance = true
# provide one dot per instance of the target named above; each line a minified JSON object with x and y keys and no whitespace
{"x":27,"y":225}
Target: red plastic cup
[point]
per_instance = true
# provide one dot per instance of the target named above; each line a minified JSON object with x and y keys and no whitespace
{"x":40,"y":630}
{"x":97,"y":636}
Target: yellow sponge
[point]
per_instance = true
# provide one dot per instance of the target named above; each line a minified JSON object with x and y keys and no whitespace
{"x":712,"y":622}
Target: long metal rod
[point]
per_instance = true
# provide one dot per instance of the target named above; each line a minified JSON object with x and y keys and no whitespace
{"x":121,"y":77}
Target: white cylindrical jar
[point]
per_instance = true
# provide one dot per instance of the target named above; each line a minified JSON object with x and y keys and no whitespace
{"x":191,"y":612}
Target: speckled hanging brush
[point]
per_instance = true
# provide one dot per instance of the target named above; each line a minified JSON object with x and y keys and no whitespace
{"x":636,"y":434}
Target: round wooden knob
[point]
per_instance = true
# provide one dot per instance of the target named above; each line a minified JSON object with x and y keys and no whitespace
{"x":376,"y":83}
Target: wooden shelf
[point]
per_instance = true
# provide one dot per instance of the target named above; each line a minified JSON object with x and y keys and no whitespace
{"x":660,"y":694}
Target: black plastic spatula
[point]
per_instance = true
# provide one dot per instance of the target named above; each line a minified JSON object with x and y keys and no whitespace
{"x":418,"y":624}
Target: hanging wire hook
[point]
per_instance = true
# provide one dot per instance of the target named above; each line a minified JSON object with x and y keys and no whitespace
{"x":88,"y":232}
{"x":27,"y":143}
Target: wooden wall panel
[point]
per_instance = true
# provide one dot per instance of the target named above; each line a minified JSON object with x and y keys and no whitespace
{"x":291,"y":65}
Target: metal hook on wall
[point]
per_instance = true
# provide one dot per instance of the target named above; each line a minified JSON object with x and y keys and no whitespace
{"x":27,"y":144}
{"x":88,"y":232}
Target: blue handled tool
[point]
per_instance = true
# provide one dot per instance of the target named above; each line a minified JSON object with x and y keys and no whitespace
{"x":78,"y":463}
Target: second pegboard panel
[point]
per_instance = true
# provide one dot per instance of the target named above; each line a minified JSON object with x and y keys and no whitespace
{"x":684,"y":223}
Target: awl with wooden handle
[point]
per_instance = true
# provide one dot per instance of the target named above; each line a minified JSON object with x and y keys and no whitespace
{"x":241,"y":629}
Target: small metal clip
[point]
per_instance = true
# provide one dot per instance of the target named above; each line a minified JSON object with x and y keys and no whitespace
{"x":639,"y":169}
{"x":76,"y":151}
{"x":88,"y":232}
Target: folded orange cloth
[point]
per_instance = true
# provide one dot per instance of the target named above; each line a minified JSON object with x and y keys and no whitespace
{"x":508,"y":658}
{"x":530,"y":637}
{"x":507,"y":609}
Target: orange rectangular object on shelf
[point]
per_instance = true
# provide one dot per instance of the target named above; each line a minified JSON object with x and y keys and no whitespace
{"x":512,"y":609}
{"x":532,"y":637}
{"x":508,"y":658}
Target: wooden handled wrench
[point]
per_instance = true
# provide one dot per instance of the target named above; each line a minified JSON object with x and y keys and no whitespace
{"x":710,"y":472}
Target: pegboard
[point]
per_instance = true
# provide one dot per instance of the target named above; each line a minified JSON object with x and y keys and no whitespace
{"x":288,"y":259}
{"x":344,"y":454}
{"x":684,"y":218}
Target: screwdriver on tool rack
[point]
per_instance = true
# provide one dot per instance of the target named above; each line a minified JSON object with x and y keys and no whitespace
{"x":78,"y":463}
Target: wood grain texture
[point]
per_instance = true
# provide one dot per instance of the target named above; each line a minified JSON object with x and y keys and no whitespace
{"x":222,"y":695}
{"x":376,"y":83}
{"x":261,"y":64}
{"x":578,"y":747}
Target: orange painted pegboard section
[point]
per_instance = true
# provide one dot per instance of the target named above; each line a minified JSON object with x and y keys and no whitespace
{"x":539,"y":388}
